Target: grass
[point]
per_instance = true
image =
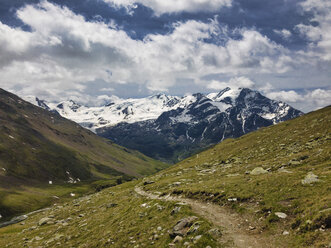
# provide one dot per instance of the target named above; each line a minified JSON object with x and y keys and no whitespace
{"x":132,"y":221}
{"x":37,"y":146}
{"x":117,"y":217}
{"x":288,"y":151}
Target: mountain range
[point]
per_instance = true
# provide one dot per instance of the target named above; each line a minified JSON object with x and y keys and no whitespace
{"x":171,"y":128}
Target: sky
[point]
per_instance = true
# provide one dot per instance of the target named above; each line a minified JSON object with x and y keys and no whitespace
{"x":87,"y":50}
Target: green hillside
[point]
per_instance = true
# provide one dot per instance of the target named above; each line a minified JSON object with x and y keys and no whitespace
{"x":37,"y":146}
{"x":274,"y":184}
{"x":282,"y":169}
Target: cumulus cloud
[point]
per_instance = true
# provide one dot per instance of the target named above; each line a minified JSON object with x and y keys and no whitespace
{"x":61,"y":57}
{"x":285,"y":96}
{"x":237,"y":82}
{"x":319,"y":31}
{"x":284,"y":33}
{"x":172,"y":6}
{"x":307,"y":101}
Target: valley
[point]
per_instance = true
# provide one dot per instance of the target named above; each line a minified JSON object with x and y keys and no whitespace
{"x":268,"y":188}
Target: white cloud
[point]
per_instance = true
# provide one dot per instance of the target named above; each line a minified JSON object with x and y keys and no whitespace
{"x":319,"y":35}
{"x":285,"y":96}
{"x":172,"y":6}
{"x":237,"y":82}
{"x":284,"y":33}
{"x":59,"y":58}
{"x":306,"y":101}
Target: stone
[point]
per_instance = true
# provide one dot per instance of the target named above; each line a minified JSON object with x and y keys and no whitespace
{"x":258,"y":171}
{"x":44,"y":221}
{"x":310,"y":179}
{"x":178,"y":239}
{"x":232,"y":199}
{"x":159,"y":228}
{"x":286,"y":233}
{"x":281,"y":215}
{"x":196,"y":239}
{"x":182,"y":226}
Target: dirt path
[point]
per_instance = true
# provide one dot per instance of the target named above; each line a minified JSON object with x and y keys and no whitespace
{"x":234,"y":228}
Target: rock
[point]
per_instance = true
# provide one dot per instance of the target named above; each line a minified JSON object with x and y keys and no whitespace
{"x":178,"y":239}
{"x":38,"y":238}
{"x":182,"y":226}
{"x":175,"y":210}
{"x":148,"y":182}
{"x":232,"y":199}
{"x":145,"y":205}
{"x":310,"y":179}
{"x":186,"y":243}
{"x":286,"y":233}
{"x":156,"y":237}
{"x":258,"y":171}
{"x":251,"y":228}
{"x":196,"y":239}
{"x":281,"y":215}
{"x":159,"y":228}
{"x":44,"y":221}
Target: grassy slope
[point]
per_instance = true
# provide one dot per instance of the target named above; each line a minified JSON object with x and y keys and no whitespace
{"x":93,"y":224}
{"x":37,"y":146}
{"x":299,"y":146}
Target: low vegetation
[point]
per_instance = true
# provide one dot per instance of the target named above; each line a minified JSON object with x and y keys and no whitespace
{"x":280,"y":175}
{"x":277,"y":179}
{"x":114,"y":217}
{"x":42,"y":155}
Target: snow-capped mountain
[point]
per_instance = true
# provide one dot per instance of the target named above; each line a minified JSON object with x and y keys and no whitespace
{"x":170,"y":127}
{"x":117,"y":110}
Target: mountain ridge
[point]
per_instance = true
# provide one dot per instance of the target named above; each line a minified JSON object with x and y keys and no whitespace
{"x":170,"y":128}
{"x":40,"y":150}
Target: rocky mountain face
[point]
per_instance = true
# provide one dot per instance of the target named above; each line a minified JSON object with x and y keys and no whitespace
{"x":171,"y":128}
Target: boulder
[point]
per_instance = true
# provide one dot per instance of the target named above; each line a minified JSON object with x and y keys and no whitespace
{"x":258,"y":171}
{"x":44,"y":221}
{"x":310,"y":179}
{"x":281,"y":215}
{"x":182,"y":226}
